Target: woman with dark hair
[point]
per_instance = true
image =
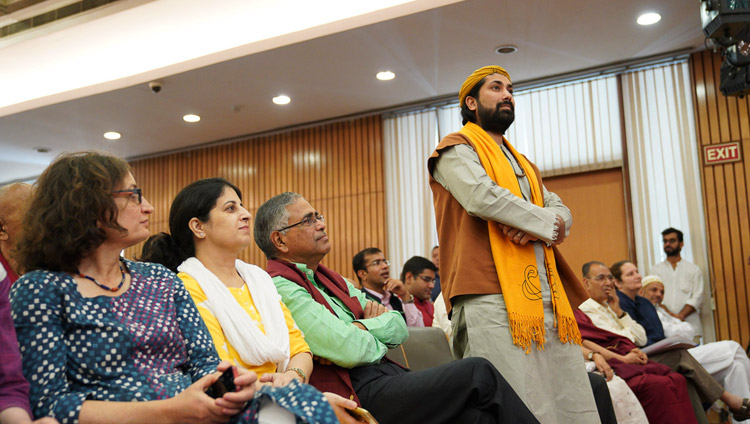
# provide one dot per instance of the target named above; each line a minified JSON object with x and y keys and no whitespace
{"x":104,"y":339}
{"x":249,"y":324}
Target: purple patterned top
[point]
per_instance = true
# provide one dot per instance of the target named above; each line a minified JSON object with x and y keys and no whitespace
{"x":148,"y":343}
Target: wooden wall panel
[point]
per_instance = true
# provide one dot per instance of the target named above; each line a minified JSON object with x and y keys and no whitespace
{"x":721,"y":119}
{"x":600,"y":222}
{"x":337,"y":167}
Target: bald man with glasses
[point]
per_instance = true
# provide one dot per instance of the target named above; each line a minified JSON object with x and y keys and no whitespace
{"x":604,"y":305}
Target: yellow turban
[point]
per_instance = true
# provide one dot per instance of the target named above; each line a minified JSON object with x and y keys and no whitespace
{"x":651,"y":279}
{"x":477,"y":76}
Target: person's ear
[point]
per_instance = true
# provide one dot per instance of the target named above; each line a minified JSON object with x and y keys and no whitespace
{"x":362,"y":274}
{"x":409,"y":278}
{"x":471,"y":103}
{"x":278,"y":242}
{"x":197,"y":228}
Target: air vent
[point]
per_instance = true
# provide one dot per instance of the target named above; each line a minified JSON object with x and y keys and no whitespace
{"x":52,"y":16}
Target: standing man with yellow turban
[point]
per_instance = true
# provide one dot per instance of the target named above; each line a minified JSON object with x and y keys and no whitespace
{"x":510,"y":293}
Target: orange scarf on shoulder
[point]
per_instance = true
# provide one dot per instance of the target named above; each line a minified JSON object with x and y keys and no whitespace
{"x":516,"y":264}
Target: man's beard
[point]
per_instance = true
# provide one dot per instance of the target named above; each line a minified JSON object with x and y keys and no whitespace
{"x":672,"y":252}
{"x":495,"y":120}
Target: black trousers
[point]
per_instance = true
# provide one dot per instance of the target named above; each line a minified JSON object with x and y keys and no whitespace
{"x":602,"y":398}
{"x":468,"y":391}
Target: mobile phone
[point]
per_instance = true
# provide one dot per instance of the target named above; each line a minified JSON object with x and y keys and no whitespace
{"x":224,"y":384}
{"x":362,"y":415}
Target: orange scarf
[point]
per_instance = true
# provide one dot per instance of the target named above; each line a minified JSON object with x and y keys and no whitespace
{"x":516,"y":264}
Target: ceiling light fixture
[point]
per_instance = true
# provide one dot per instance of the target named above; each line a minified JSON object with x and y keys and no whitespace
{"x":649,"y":18}
{"x":282,"y":100}
{"x":112,"y":135}
{"x":190,"y":117}
{"x":507,"y":49}
{"x":385,"y":75}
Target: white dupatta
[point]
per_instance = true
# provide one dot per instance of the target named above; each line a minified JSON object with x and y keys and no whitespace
{"x":242,"y":332}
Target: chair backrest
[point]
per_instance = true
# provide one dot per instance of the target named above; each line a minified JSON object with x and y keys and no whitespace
{"x":425,"y":348}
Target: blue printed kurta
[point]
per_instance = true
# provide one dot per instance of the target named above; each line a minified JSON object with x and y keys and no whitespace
{"x":149,"y":343}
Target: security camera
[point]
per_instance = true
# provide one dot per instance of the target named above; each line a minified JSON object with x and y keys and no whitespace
{"x":155,"y":86}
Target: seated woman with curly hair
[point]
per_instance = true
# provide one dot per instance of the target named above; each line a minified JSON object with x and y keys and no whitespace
{"x":108,"y":340}
{"x":249,"y":324}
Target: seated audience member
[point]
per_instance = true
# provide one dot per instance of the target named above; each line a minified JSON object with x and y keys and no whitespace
{"x":440,"y":317}
{"x":725,"y":360}
{"x":626,"y":409}
{"x":104,"y":339}
{"x":418,"y":275}
{"x":435,"y":257}
{"x":603,"y":307}
{"x":662,"y":392}
{"x":14,"y":396}
{"x":374,"y":274}
{"x":13,"y":198}
{"x":703,"y":387}
{"x":351,"y":334}
{"x":238,"y":302}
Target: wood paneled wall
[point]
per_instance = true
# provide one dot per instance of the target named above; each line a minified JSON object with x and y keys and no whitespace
{"x":721,"y":119}
{"x":600,"y":222}
{"x":337,"y":167}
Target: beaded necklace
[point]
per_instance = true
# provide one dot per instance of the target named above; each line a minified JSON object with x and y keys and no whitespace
{"x":123,"y":268}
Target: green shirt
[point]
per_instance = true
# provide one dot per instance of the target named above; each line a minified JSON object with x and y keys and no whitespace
{"x":335,"y":337}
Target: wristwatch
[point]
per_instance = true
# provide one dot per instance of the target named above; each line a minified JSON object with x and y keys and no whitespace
{"x":590,"y":356}
{"x":411,"y":299}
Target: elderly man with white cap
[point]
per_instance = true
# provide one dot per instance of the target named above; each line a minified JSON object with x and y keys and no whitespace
{"x":725,"y":360}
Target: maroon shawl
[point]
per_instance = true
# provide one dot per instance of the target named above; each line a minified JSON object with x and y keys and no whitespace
{"x":326,"y":378}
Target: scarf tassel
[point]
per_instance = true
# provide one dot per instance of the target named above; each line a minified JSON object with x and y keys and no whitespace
{"x":568,"y":330}
{"x":526,"y":329}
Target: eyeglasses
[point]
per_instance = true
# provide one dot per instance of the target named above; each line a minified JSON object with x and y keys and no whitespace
{"x":427,"y":280}
{"x":602,"y":277}
{"x":131,"y":192}
{"x":378,"y":262}
{"x":307,"y":221}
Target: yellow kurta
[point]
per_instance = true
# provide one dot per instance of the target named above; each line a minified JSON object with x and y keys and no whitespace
{"x":297,"y":342}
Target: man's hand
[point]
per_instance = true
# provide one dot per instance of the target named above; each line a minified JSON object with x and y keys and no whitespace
{"x":397,"y":287}
{"x":517,"y":236}
{"x":663,"y":306}
{"x":374,"y":310}
{"x":602,"y":366}
{"x":613,"y":300}
{"x":340,"y":405}
{"x":324,"y":361}
{"x":642,"y":357}
{"x":560,"y":226}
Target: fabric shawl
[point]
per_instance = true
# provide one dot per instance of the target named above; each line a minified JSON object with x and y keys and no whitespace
{"x":516,"y":264}
{"x":242,"y":332}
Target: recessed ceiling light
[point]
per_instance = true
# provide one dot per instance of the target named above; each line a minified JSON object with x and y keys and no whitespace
{"x":507,"y":49}
{"x":112,"y":135}
{"x":282,"y":100}
{"x":649,"y":18}
{"x":42,"y":149}
{"x":190,"y":117}
{"x":385,"y":75}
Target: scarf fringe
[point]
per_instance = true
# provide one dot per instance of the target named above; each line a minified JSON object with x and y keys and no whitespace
{"x":568,"y":330}
{"x":526,"y":329}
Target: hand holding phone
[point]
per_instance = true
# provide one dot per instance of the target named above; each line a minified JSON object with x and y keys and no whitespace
{"x":224,"y":384}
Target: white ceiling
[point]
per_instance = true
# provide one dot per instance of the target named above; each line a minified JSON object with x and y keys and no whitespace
{"x":431,"y":53}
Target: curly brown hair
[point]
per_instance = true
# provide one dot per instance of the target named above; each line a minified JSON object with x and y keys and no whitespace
{"x":70,"y":208}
